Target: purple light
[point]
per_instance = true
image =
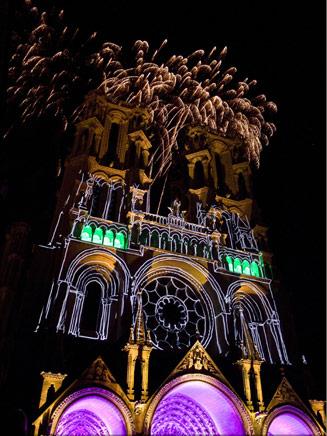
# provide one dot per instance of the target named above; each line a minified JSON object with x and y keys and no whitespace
{"x":89,"y":416}
{"x":289,"y":424}
{"x":196,"y":407}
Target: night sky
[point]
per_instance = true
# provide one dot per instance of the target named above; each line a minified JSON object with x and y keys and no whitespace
{"x":283,"y":47}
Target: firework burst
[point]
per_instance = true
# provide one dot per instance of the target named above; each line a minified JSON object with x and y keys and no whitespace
{"x":53,"y":67}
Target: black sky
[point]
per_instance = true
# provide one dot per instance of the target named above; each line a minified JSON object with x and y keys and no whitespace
{"x":282,"y":45}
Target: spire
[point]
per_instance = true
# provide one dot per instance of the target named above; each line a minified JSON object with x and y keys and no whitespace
{"x":139,"y":346}
{"x":139,"y":325}
{"x":139,"y":334}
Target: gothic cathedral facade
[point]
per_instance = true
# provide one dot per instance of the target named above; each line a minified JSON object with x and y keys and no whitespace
{"x":158,"y":313}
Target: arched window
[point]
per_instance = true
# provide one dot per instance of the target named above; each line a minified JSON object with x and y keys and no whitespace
{"x":164,"y":243}
{"x":229,"y":261}
{"x":98,"y":236}
{"x":176,"y":244}
{"x":86,"y":234}
{"x":200,"y":249}
{"x":132,"y":161}
{"x":109,"y":238}
{"x":110,"y":156}
{"x":120,"y":240}
{"x":255,"y":269}
{"x":185,"y":245}
{"x":193,"y":248}
{"x":199,"y":179}
{"x":145,"y":238}
{"x":111,"y":210}
{"x":246,"y":267}
{"x":91,"y":308}
{"x":154,"y":239}
{"x":237,"y":266}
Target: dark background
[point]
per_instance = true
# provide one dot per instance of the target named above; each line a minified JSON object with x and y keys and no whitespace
{"x":282,"y":45}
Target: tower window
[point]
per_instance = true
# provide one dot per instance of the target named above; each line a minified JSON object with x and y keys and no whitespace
{"x":246,"y":267}
{"x":132,"y":156}
{"x":120,"y":240}
{"x":229,"y":261}
{"x":237,"y":266}
{"x":91,"y":307}
{"x":98,"y":236}
{"x":255,"y":269}
{"x":110,"y":156}
{"x":199,"y":179}
{"x":86,"y":234}
{"x":109,"y":238}
{"x":144,"y":240}
{"x":155,"y":239}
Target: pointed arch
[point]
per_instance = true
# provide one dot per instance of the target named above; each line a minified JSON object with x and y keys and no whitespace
{"x":237,"y":266}
{"x":197,"y":404}
{"x":92,"y":410}
{"x":246,"y":267}
{"x":288,"y":420}
{"x":98,"y":235}
{"x":87,"y":233}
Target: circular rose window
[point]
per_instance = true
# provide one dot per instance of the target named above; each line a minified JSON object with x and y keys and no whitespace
{"x":174,"y":313}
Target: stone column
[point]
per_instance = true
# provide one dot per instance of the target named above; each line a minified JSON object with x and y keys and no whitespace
{"x":191,"y":170}
{"x":145,"y":356}
{"x":258,"y":386}
{"x":245,"y":365}
{"x":130,"y":378}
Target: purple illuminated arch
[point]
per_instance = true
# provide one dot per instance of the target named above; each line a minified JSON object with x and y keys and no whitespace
{"x":90,"y":412}
{"x":198,"y":407}
{"x":290,"y":421}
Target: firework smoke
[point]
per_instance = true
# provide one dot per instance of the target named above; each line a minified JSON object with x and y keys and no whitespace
{"x":52,"y":68}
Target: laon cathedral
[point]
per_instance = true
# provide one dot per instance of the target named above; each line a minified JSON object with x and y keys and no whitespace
{"x":152,"y":305}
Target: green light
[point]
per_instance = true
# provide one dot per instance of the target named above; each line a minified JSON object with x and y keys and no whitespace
{"x":98,"y":236}
{"x":109,"y":238}
{"x":229,"y":261}
{"x":86,"y":234}
{"x":120,"y":240}
{"x":237,"y":266}
{"x":255,"y":269}
{"x":246,"y":267}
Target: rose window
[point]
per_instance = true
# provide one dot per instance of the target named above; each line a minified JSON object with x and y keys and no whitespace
{"x":174,"y":313}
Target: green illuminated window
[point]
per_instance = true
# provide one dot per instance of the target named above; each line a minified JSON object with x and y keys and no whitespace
{"x":229,"y":261}
{"x":109,"y":238}
{"x":255,"y":269}
{"x":246,"y":267}
{"x":86,"y":234}
{"x":237,"y":266}
{"x":98,"y":236}
{"x":120,"y":240}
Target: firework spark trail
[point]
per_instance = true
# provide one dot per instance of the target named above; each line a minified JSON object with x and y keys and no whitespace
{"x":51,"y":65}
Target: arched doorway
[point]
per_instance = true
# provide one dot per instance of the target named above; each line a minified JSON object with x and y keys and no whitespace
{"x":201,"y":405}
{"x":289,"y":421}
{"x":90,"y":412}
